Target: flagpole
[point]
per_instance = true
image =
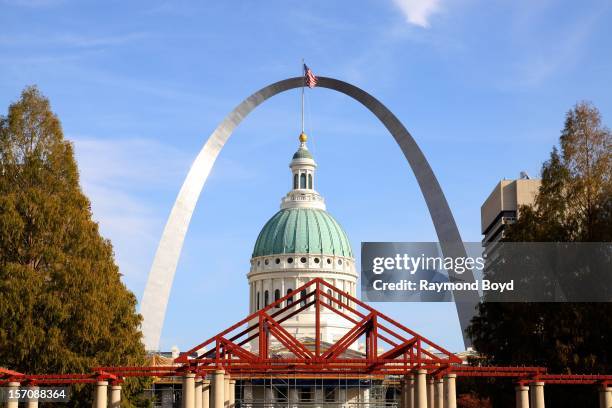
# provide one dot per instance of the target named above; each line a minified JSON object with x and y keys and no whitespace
{"x":303,"y":95}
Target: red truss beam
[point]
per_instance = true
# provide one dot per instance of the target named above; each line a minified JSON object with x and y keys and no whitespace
{"x":391,"y":348}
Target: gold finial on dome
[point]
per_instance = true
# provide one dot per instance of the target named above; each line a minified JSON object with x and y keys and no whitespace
{"x":303,"y":137}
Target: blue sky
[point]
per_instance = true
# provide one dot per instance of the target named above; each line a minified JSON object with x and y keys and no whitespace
{"x":482,"y":85}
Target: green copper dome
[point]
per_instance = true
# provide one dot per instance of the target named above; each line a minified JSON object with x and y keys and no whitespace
{"x":302,"y":231}
{"x":302,"y":153}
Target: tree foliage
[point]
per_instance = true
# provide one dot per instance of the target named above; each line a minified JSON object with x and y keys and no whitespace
{"x":574,"y":204}
{"x":63,"y":307}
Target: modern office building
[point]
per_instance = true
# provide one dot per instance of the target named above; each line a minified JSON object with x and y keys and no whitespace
{"x":502,"y":207}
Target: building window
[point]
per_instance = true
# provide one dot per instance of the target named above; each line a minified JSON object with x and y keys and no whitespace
{"x":303,"y":259}
{"x":316,"y":260}
{"x":310,"y":181}
{"x":340,"y":300}
{"x":303,"y":180}
{"x":258,"y":303}
{"x":277,"y":261}
{"x":290,"y":260}
{"x":303,"y":297}
{"x":266,"y":298}
{"x":290,"y":298}
{"x":295,"y":181}
{"x":329,"y":299}
{"x":276,"y":297}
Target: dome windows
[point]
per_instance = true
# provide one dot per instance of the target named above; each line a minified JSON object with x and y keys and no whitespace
{"x":290,"y":260}
{"x":277,"y":261}
{"x":266,"y":261}
{"x":266,"y":298}
{"x":329,"y":261}
{"x":317,"y":260}
{"x":277,"y":297}
{"x":303,"y":259}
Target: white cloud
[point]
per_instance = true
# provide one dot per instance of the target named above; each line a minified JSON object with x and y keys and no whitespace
{"x":418,"y":12}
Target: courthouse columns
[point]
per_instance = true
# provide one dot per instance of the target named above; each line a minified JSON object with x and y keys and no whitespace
{"x":450,"y":391}
{"x":421,"y":389}
{"x":536,"y":391}
{"x":605,"y":397}
{"x":218,"y":388}
{"x":439,"y":394}
{"x":100,"y":395}
{"x":521,"y":393}
{"x":188,"y":390}
{"x":198,"y":392}
{"x":13,"y":386}
{"x":115,"y":396}
{"x":205,"y":394}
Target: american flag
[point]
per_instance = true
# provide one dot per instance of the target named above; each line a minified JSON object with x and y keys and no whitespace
{"x":309,"y":77}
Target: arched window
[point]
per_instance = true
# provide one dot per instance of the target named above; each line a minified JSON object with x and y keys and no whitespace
{"x":276,"y":297}
{"x":290,"y":298}
{"x":258,"y":303}
{"x":303,"y":180}
{"x":266,"y":298}
{"x":310,"y":181}
{"x":295,"y":181}
{"x":303,"y":297}
{"x":329,"y":299}
{"x":340,"y":299}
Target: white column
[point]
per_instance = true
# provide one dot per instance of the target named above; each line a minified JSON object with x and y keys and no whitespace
{"x":188,"y":390}
{"x":318,"y":396}
{"x":364,"y":397}
{"x":410,"y":396}
{"x":536,"y":389}
{"x":421,"y":389}
{"x":198,"y":392}
{"x":269,"y":398}
{"x":341,"y":396}
{"x":206,"y":394}
{"x":439,"y":398}
{"x":226,"y":391}
{"x":217,"y":384}
{"x":247,"y":394}
{"x":294,"y":397}
{"x":605,"y":397}
{"x":232,"y":393}
{"x":100,"y":396}
{"x":431,"y":392}
{"x":32,"y":402}
{"x":115,"y":397}
{"x":450,"y":391}
{"x":14,"y":386}
{"x":521,"y":393}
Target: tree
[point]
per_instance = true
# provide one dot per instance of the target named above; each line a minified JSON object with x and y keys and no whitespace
{"x":63,"y":307}
{"x":573,"y":204}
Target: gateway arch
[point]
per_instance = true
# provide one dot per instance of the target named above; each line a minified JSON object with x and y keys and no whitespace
{"x":161,"y":276}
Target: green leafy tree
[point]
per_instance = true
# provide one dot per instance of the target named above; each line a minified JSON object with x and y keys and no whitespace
{"x":574,"y":204}
{"x":63,"y":307}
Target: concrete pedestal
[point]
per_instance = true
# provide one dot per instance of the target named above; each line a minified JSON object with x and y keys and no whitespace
{"x":218,"y":388}
{"x":198,"y":392}
{"x":115,"y":397}
{"x":439,"y":394}
{"x":431,"y":389}
{"x":101,"y":394}
{"x":13,"y":386}
{"x":421,"y":389}
{"x":605,"y":397}
{"x":206,"y":394}
{"x":521,"y":393}
{"x":450,"y":391}
{"x":536,"y":391}
{"x":188,"y":390}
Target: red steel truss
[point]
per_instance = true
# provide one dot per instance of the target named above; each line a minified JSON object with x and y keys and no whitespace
{"x":260,"y":345}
